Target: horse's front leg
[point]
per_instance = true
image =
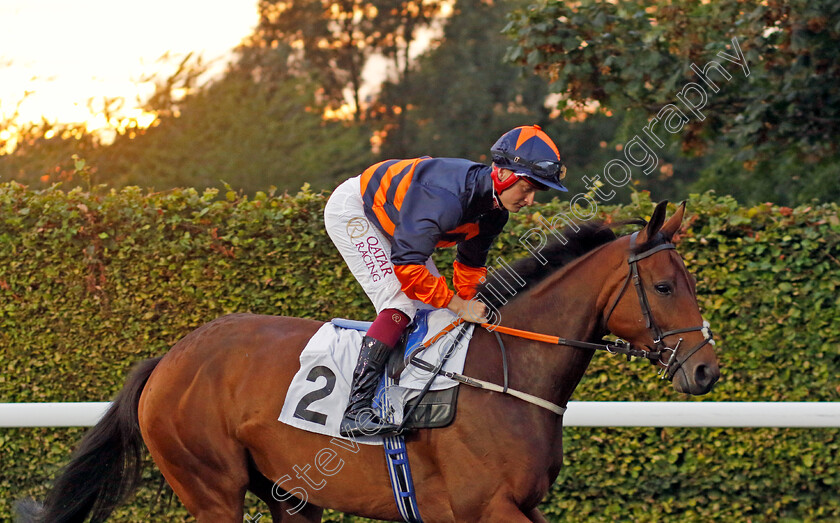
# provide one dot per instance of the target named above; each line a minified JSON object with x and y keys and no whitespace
{"x":536,"y":516}
{"x":504,"y":510}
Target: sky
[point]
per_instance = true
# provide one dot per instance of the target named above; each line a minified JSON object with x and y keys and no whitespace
{"x":67,"y":52}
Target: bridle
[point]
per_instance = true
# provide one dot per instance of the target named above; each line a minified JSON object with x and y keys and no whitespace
{"x":661,"y":352}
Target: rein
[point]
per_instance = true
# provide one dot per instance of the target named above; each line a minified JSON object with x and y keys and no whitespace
{"x":663,"y":353}
{"x":613,"y":347}
{"x":475,"y":382}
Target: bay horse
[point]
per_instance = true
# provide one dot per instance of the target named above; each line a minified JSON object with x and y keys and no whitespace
{"x":207,"y":410}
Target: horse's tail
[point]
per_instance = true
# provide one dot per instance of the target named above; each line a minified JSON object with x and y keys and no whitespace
{"x":106,"y":466}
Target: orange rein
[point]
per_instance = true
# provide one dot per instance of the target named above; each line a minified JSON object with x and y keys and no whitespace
{"x":618,"y":347}
{"x":528,"y":335}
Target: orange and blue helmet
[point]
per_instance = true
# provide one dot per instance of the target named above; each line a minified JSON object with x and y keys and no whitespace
{"x":530,"y":154}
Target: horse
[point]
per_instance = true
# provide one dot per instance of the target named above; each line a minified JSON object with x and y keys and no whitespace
{"x":207,"y":410}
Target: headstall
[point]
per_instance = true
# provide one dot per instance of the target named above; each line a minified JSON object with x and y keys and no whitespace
{"x":661,"y":352}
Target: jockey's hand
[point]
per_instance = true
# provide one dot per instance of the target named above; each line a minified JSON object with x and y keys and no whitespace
{"x":472,"y":311}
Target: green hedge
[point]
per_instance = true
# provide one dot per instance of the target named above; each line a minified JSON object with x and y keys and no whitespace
{"x":93,"y":281}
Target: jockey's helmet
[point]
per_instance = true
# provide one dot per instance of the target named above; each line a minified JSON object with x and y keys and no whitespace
{"x":530,"y":154}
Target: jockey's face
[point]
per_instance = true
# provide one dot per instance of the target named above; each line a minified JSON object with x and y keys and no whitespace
{"x":519,"y":195}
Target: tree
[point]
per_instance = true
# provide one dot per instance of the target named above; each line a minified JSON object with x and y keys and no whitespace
{"x":40,"y":152}
{"x":460,"y":95}
{"x":46,"y":152}
{"x":335,"y":39}
{"x":772,"y":96}
{"x":246,"y":133}
{"x":239,"y":129}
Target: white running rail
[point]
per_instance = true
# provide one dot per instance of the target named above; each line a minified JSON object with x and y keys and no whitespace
{"x":579,"y":414}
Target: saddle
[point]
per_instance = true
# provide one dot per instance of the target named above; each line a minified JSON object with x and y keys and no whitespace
{"x":432,"y":409}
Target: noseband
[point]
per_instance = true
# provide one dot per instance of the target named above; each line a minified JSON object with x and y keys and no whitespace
{"x":661,"y":352}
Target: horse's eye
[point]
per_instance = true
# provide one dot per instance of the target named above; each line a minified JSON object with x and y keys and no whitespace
{"x":663,"y":288}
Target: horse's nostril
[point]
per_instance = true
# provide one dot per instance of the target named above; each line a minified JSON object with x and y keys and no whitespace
{"x":702,"y":375}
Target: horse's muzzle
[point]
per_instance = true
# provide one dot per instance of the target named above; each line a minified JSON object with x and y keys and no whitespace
{"x":696,"y":379}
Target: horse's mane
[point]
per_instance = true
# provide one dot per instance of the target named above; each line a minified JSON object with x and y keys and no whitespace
{"x":496,"y":290}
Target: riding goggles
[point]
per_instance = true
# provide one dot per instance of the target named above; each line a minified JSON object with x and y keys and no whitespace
{"x":551,"y":170}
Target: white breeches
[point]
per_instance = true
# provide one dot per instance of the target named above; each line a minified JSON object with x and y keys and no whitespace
{"x":366,"y":250}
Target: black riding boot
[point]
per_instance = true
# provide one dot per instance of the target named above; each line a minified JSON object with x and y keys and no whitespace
{"x":359,"y":418}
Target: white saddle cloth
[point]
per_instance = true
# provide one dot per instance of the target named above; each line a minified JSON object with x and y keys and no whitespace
{"x":320,"y":391}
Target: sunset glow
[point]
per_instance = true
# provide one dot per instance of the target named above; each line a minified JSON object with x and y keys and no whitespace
{"x":69,"y":56}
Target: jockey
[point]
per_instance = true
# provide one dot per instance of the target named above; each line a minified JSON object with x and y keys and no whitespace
{"x":387,"y":221}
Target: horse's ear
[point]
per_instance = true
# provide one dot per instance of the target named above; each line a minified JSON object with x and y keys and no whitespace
{"x":673,"y":224}
{"x":655,"y":223}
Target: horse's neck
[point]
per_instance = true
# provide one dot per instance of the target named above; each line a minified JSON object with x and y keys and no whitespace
{"x":568,"y":304}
